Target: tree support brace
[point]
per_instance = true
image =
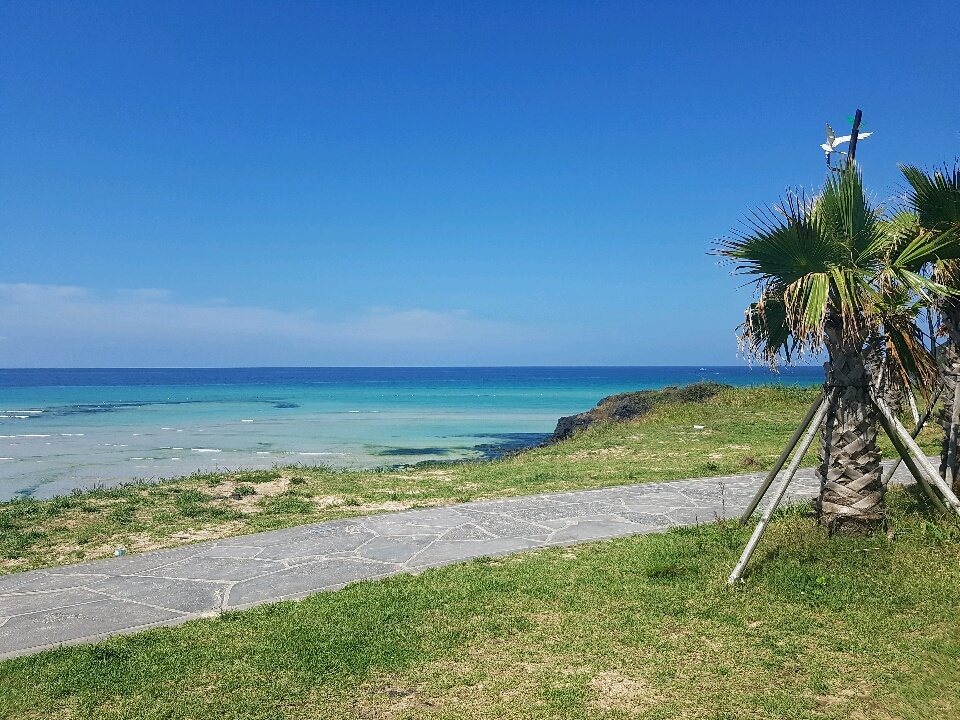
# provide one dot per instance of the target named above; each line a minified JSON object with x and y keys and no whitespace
{"x":782,"y":460}
{"x":907,"y":459}
{"x":932,"y":475}
{"x":817,"y":421}
{"x":916,"y":431}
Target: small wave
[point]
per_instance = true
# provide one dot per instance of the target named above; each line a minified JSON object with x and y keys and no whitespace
{"x":21,"y":412}
{"x":71,"y":434}
{"x":6,"y":458}
{"x":320,"y":453}
{"x":246,"y":421}
{"x":262,"y":452}
{"x":210,"y":450}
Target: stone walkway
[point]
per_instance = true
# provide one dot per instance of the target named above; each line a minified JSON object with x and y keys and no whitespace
{"x":87,"y":602}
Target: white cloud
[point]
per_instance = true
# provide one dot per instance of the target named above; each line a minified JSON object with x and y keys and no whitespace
{"x":62,"y":326}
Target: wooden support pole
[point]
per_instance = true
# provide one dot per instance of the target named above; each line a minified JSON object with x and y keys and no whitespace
{"x":782,"y":460}
{"x":921,"y":459}
{"x":913,"y":407}
{"x":821,"y":413}
{"x":904,"y":455}
{"x":916,"y":431}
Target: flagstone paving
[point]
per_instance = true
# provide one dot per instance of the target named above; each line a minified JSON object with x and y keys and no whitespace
{"x":87,"y":602}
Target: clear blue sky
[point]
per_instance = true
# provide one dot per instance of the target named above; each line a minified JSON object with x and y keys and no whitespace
{"x":406,"y":183}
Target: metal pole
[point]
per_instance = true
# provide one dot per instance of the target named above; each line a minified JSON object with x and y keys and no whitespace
{"x":922,"y":461}
{"x":904,"y":455}
{"x":781,"y":491}
{"x":853,"y":138}
{"x":781,"y":461}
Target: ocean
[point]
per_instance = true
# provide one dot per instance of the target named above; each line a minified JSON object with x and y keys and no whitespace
{"x":62,"y":429}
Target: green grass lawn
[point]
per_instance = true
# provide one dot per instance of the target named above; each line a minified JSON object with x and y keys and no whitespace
{"x":744,"y":431}
{"x":642,"y":627}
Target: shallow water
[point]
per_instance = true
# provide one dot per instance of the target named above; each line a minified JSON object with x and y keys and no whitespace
{"x":64,"y":429}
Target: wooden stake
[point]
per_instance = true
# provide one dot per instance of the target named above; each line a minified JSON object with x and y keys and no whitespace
{"x":916,"y":431}
{"x":781,"y":461}
{"x":904,"y":455}
{"x":913,"y":407}
{"x":922,"y":461}
{"x":821,"y":413}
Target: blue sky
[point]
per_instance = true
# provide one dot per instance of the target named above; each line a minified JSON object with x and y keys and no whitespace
{"x":404,"y":183}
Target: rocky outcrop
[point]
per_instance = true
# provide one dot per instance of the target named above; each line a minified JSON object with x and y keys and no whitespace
{"x":631,"y":405}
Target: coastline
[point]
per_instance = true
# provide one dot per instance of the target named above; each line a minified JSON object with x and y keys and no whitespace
{"x":95,"y":427}
{"x":739,"y":430}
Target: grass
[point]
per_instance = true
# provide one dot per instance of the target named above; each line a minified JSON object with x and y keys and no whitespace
{"x":744,"y":430}
{"x":639,"y":627}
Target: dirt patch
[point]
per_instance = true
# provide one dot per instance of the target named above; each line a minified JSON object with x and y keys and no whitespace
{"x":394,"y":505}
{"x":327,"y":501}
{"x":617,"y":451}
{"x":616,"y":692}
{"x":392,"y":702}
{"x":857,"y":694}
{"x":191,"y":536}
{"x":227,"y":493}
{"x":441,"y":474}
{"x":66,"y":553}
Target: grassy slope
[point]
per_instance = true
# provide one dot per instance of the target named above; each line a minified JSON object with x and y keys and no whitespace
{"x":745,"y":430}
{"x":637,"y":627}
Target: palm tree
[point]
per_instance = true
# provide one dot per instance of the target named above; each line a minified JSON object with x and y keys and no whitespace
{"x":826,"y":269}
{"x":935,"y":199}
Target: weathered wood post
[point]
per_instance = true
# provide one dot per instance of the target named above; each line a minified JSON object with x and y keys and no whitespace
{"x":782,"y":490}
{"x":782,"y":460}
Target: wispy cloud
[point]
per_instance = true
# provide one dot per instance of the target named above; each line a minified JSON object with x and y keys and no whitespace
{"x":55,"y":325}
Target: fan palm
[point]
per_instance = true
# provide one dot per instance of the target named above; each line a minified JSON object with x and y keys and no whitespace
{"x":935,"y":199}
{"x":827,"y":271}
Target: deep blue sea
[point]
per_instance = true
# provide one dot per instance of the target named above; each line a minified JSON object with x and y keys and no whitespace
{"x":64,"y":429}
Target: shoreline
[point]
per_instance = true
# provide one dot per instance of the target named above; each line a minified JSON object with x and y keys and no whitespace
{"x":740,"y":430}
{"x":132,"y":424}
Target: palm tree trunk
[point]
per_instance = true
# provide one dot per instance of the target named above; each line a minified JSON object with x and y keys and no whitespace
{"x":950,"y":376}
{"x":851,"y":494}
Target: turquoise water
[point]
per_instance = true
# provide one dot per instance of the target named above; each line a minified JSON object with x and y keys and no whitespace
{"x":64,"y":429}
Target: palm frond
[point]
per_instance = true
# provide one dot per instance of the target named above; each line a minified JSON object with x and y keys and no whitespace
{"x":764,"y":334}
{"x":934,"y":196}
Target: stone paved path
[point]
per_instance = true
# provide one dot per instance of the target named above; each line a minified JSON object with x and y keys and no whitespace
{"x":87,"y":602}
